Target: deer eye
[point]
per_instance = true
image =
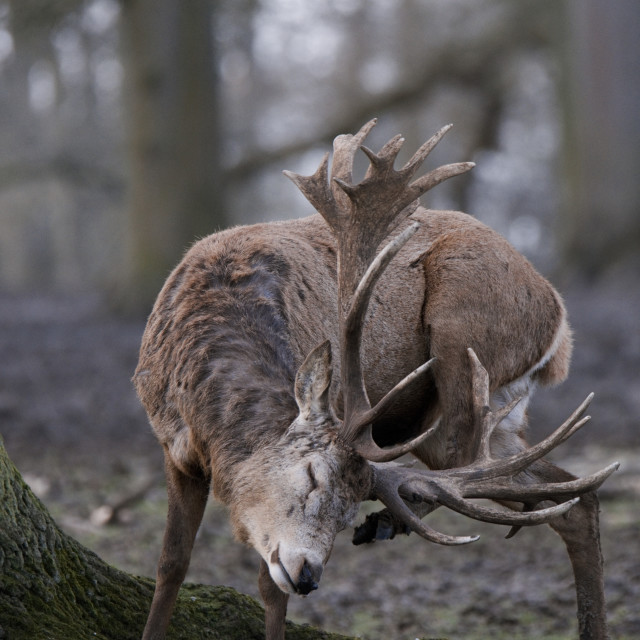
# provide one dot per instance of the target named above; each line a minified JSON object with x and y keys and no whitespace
{"x":312,"y":478}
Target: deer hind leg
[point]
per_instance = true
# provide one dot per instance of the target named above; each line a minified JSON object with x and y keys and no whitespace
{"x":187,"y":499}
{"x":580,"y":532}
{"x":579,"y":528}
{"x":275,"y":603}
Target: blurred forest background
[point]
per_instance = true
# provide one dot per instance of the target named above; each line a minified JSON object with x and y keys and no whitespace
{"x":129,"y":128}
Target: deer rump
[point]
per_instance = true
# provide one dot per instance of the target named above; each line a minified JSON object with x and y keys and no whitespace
{"x":266,"y":295}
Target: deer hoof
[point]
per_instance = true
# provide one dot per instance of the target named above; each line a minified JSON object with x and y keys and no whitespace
{"x":378,"y":526}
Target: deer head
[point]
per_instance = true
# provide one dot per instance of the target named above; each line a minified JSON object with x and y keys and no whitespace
{"x":310,"y":486}
{"x":313,"y":479}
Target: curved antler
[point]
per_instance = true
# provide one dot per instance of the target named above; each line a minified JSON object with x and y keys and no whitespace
{"x":486,"y":477}
{"x":361,"y":216}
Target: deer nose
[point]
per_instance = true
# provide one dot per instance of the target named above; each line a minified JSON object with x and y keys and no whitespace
{"x":308,"y":578}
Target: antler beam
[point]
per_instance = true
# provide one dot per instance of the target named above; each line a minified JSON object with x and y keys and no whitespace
{"x":361,"y":216}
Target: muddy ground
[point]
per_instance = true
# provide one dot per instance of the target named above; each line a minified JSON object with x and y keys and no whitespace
{"x":73,"y":426}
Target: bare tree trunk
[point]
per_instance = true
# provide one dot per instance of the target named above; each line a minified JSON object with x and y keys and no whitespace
{"x":171,"y":98}
{"x":53,"y":588}
{"x":602,"y":123}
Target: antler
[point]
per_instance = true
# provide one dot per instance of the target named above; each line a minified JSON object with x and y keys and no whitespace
{"x":486,"y":477}
{"x":361,"y":216}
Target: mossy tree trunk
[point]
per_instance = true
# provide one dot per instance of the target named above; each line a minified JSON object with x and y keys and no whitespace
{"x":51,"y":587}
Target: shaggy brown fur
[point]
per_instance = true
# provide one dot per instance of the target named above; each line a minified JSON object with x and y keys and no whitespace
{"x":231,"y":330}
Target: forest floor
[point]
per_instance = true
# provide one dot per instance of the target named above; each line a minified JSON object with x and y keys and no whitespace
{"x":73,"y":426}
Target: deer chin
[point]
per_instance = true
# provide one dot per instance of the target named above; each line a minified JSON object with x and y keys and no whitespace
{"x":295,"y":571}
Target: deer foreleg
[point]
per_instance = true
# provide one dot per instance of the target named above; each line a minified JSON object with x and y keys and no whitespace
{"x":187,"y":500}
{"x":275,"y":604}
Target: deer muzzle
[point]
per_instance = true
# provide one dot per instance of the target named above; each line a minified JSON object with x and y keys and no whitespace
{"x":308,"y":579}
{"x":299,"y":575}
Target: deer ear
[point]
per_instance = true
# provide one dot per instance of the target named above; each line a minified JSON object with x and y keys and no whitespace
{"x":313,"y":381}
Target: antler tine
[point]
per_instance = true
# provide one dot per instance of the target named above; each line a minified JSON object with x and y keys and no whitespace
{"x":359,"y":421}
{"x":358,"y":430}
{"x":366,"y":446}
{"x":421,"y":154}
{"x":315,"y":188}
{"x":486,"y":420}
{"x":385,"y":157}
{"x":387,"y":483}
{"x":498,"y":516}
{"x":481,"y":409}
{"x":486,"y":477}
{"x":539,"y":491}
{"x":520,"y":461}
{"x":435,"y":177}
{"x":345,"y":147}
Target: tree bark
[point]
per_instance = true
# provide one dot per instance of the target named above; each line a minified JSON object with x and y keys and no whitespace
{"x":171,"y":100}
{"x":53,"y":588}
{"x":600,"y":94}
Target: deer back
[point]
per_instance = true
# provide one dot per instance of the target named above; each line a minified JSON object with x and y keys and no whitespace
{"x":245,"y":306}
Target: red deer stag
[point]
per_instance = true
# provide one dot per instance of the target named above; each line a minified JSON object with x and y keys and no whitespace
{"x":235,"y":373}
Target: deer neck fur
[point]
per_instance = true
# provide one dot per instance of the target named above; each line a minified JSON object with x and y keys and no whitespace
{"x":225,"y":352}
